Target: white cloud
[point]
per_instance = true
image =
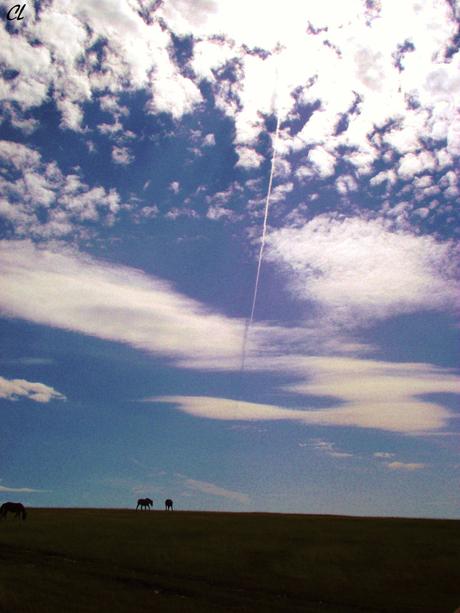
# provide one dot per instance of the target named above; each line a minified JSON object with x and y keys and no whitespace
{"x":71,"y":291}
{"x":122,"y":155}
{"x":248,"y":157}
{"x":27,"y":125}
{"x":13,"y":389}
{"x":209,"y":140}
{"x":18,"y":155}
{"x":173,"y":93}
{"x":215,"y":490}
{"x":210,"y":55}
{"x":174,"y":187}
{"x":384,"y":175}
{"x":66,"y":202}
{"x":176,"y":212}
{"x":352,"y":268}
{"x":25,"y":490}
{"x":408,"y":466}
{"x":356,"y":54}
{"x":279,"y":192}
{"x":346,"y":184}
{"x":328,"y":448}
{"x":359,"y":393}
{"x":217,"y":211}
{"x":134,"y":55}
{"x":383,"y":454}
{"x":410,"y":416}
{"x":147,"y":212}
{"x":384,"y":67}
{"x":322,"y":161}
{"x":413,"y":164}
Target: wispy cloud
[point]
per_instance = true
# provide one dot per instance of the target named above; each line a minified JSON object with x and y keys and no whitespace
{"x":406,"y":466}
{"x":362,"y":393}
{"x":68,"y":290}
{"x":328,"y":448}
{"x":211,"y":489}
{"x":24,"y":490}
{"x":13,"y":389}
{"x":26,"y":361}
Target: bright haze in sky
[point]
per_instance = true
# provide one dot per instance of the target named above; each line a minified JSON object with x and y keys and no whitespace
{"x":136,"y":148}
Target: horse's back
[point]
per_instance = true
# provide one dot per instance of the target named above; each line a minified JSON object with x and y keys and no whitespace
{"x":13,"y":507}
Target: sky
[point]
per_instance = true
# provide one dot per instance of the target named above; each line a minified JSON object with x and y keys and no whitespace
{"x":143,"y":179}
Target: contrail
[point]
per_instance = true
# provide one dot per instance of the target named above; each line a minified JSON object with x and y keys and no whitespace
{"x":262,"y":243}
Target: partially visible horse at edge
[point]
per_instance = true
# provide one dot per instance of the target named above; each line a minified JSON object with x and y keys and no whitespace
{"x":13,"y":507}
{"x":168,"y":504}
{"x":144,"y":503}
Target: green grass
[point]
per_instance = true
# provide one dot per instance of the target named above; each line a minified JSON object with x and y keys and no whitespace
{"x":69,"y":560}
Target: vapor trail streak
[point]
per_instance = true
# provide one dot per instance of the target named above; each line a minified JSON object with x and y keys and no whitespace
{"x":262,"y":244}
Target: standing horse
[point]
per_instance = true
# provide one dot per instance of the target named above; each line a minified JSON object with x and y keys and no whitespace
{"x":144,"y":503}
{"x":13,"y":507}
{"x":168,"y":504}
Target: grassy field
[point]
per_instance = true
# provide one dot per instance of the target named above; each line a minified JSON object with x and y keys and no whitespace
{"x":68,"y":560}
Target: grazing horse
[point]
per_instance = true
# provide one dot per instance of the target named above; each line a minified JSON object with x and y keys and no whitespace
{"x":144,"y":503}
{"x":168,"y":504}
{"x":13,"y":507}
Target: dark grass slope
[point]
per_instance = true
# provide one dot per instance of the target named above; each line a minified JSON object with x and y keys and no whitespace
{"x":71,"y":560}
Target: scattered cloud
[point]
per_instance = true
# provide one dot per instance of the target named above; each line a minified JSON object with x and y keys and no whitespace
{"x":39,"y":201}
{"x":387,"y":84}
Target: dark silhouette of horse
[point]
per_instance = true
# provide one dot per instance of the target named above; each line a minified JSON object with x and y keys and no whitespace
{"x":13,"y":507}
{"x":144,"y":503}
{"x":168,"y":504}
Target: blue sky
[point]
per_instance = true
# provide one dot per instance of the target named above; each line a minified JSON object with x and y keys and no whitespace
{"x":137,"y":142}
